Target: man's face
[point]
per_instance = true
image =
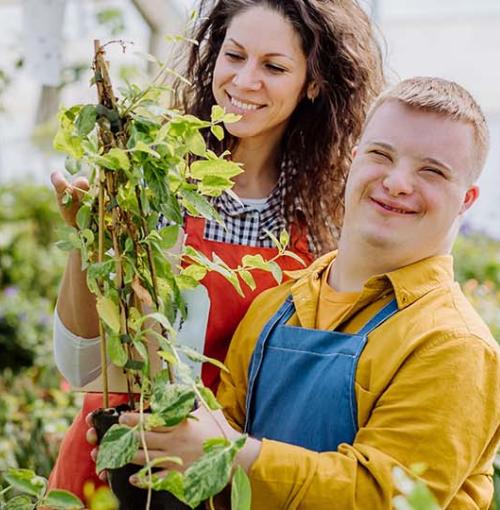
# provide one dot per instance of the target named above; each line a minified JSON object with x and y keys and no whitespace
{"x":409,"y":182}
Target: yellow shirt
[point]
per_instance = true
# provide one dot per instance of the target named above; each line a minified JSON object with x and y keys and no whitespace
{"x":427,"y":390}
{"x":333,"y":305}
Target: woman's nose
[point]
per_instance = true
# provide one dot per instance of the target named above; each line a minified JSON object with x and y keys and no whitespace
{"x":247,"y":77}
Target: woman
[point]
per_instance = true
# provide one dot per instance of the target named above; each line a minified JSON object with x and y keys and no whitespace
{"x":302,"y":88}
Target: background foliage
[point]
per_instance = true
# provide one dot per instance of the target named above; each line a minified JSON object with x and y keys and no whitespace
{"x":36,"y":406}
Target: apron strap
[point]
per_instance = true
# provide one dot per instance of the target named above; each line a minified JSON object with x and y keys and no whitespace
{"x":380,"y":317}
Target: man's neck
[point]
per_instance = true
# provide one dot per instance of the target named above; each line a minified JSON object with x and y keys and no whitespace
{"x":356,"y":263}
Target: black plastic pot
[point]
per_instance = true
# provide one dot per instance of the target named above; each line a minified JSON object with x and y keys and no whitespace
{"x":129,"y":496}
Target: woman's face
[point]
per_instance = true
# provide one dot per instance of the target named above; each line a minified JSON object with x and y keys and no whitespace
{"x":260,"y":73}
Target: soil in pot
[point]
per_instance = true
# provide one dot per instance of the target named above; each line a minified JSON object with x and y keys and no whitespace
{"x":130,"y":497}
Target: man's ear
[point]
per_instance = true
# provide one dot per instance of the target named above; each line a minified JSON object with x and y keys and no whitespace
{"x":470,"y":197}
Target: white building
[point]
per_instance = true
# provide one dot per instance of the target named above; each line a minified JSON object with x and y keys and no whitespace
{"x":455,"y":39}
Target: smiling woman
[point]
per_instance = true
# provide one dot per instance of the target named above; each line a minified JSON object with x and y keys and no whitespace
{"x":301,"y":76}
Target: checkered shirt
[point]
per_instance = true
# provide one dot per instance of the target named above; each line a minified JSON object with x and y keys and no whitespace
{"x":245,"y":224}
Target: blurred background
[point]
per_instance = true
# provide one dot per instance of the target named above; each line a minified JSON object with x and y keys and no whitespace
{"x":46,"y":48}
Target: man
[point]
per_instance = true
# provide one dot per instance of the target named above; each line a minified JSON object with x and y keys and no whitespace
{"x":372,"y":357}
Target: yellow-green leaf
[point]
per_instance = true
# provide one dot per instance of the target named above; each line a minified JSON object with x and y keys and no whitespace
{"x":218,"y":132}
{"x":215,"y":167}
{"x":109,"y":312}
{"x":241,"y":492}
{"x":217,"y":113}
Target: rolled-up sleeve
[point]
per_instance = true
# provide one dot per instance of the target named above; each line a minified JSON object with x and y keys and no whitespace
{"x":77,"y":358}
{"x":440,"y":409}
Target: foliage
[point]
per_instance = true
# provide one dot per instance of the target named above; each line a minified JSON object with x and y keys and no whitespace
{"x":148,"y":163}
{"x":496,"y":482}
{"x":477,"y":268}
{"x":34,"y":414}
{"x":29,"y":221}
{"x":34,"y":411}
{"x":29,"y":492}
{"x":414,"y":494}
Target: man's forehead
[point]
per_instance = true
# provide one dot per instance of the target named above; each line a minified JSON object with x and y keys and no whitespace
{"x":428,"y":135}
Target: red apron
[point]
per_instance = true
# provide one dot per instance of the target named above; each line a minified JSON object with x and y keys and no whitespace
{"x":74,"y":465}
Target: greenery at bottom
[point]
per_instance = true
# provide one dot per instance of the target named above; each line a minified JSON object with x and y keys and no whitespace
{"x":36,"y":405}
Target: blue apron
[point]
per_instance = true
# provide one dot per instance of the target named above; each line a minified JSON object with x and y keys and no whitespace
{"x":301,"y":382}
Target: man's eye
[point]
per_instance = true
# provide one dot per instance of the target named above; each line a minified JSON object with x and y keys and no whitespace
{"x":380,"y":154}
{"x":435,"y":171}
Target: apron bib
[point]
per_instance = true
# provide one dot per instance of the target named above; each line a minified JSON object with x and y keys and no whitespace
{"x":301,"y":382}
{"x":74,"y":465}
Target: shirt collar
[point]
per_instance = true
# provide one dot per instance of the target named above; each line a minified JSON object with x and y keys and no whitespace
{"x":408,"y":283}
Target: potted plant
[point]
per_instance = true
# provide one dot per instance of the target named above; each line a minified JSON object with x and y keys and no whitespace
{"x":146,"y":162}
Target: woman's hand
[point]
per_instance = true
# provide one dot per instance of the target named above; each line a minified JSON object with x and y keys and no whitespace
{"x":75,"y":189}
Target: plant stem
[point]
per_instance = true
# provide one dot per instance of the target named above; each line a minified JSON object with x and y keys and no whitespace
{"x":145,"y":448}
{"x":211,"y":503}
{"x":102,"y":332}
{"x":154,"y":281}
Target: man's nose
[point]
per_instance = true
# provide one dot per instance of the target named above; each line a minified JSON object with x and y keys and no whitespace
{"x":248,"y":77}
{"x":399,"y":180}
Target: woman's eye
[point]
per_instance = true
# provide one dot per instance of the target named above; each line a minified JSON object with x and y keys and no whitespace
{"x":233,"y":56}
{"x":275,"y":69}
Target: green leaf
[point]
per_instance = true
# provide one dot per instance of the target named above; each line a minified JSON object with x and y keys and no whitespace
{"x":211,"y":472}
{"x":196,"y":144}
{"x":173,"y":482}
{"x":19,"y":503}
{"x":195,"y":271}
{"x":61,"y":499}
{"x":185,"y":282}
{"x":65,"y":141}
{"x":217,"y":113}
{"x":117,"y":448}
{"x":294,"y":256}
{"x":199,"y":206}
{"x":169,"y":236}
{"x":169,"y":357}
{"x":241,"y":492}
{"x":284,"y":238}
{"x":255,"y":262}
{"x":173,"y":402}
{"x":109,"y":312}
{"x":214,"y":185}
{"x":218,"y":167}
{"x":142,"y":147}
{"x":83,"y":217}
{"x":230,"y":118}
{"x":197,"y":356}
{"x":71,"y":165}
{"x":115,"y":159}
{"x":218,"y":132}
{"x":247,"y":277}
{"x":208,"y":397}
{"x":116,"y":352}
{"x":26,"y":481}
{"x":276,"y":271}
{"x":86,"y":120}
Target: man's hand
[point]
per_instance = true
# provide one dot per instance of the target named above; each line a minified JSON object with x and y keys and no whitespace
{"x":185,"y":440}
{"x":74,"y":190}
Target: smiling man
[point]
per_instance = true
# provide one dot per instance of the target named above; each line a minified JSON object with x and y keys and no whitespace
{"x":372,"y":358}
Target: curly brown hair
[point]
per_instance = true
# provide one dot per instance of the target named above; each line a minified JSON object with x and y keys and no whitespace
{"x":343,"y":59}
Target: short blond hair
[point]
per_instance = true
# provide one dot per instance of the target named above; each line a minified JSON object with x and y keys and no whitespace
{"x":445,"y":97}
